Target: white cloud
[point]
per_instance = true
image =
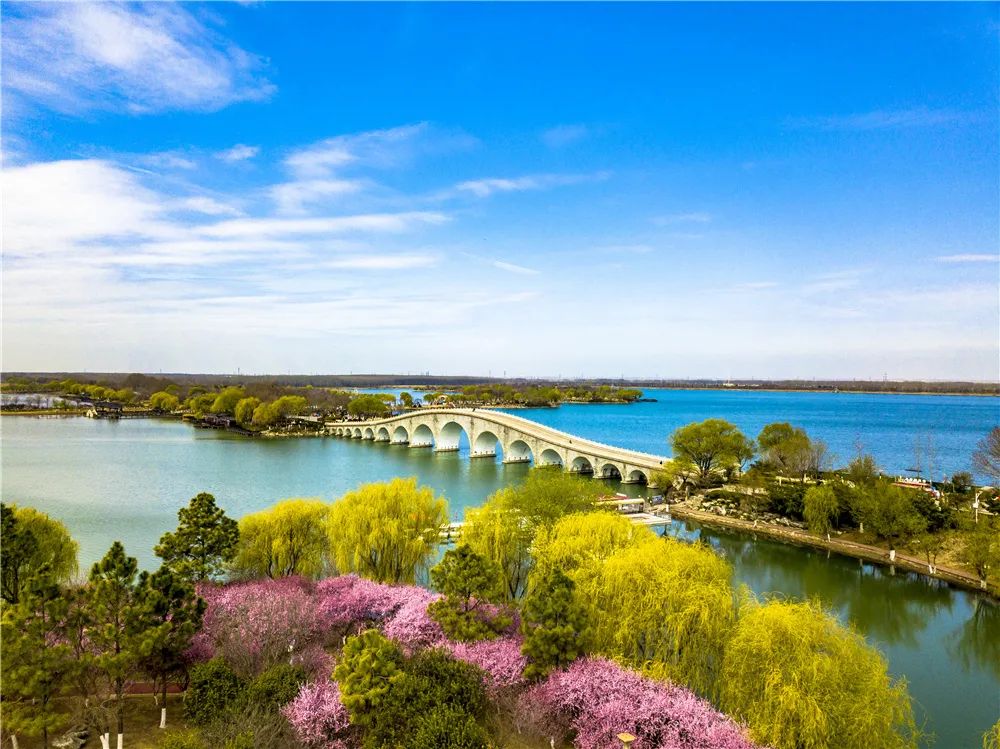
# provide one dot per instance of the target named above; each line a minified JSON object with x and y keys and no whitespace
{"x":294,"y":197}
{"x":380,"y":149}
{"x":277,"y":227}
{"x":483,"y":188}
{"x":151,"y":57}
{"x":208,"y":206}
{"x":382,"y":262}
{"x":512,"y":268}
{"x":969,"y":258}
{"x":564,"y":135}
{"x":58,"y":205}
{"x":239,"y":152}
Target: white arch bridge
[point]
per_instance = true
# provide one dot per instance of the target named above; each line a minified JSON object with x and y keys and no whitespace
{"x":520,"y":440}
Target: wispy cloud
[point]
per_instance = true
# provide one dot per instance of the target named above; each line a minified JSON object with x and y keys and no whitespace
{"x":382,"y":262}
{"x":208,"y":206}
{"x":514,"y":268}
{"x":755,"y":285}
{"x":483,"y":188}
{"x":150,"y":57}
{"x":969,"y":258}
{"x":296,"y":197}
{"x":381,"y":149}
{"x":565,"y":135}
{"x":883,"y":119}
{"x":695,"y":217}
{"x":239,"y":152}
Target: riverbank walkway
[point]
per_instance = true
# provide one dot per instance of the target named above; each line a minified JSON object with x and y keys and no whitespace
{"x":519,"y":440}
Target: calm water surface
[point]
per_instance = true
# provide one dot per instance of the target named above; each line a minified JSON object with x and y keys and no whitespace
{"x":126,"y":480}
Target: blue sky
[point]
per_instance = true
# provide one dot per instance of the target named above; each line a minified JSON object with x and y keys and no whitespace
{"x":675,"y":190}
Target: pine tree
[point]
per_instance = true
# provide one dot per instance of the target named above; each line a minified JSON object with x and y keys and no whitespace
{"x":205,"y":540}
{"x":116,"y":624}
{"x":36,"y":661}
{"x":554,"y":625}
{"x":468,"y":581}
{"x":170,"y":614}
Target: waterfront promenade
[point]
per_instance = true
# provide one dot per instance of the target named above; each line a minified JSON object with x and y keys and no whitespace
{"x":520,"y":440}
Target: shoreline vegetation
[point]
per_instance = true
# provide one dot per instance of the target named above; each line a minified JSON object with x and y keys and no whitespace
{"x":782,"y":477}
{"x":554,"y":622}
{"x":451,"y":383}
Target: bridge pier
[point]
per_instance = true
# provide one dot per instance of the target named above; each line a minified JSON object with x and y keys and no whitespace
{"x":484,"y":455}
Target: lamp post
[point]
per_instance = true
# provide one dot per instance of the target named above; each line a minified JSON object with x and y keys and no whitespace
{"x":626,"y":739}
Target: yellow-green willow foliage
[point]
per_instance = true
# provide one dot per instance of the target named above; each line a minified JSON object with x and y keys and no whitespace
{"x":55,"y":547}
{"x":577,"y":545}
{"x":289,"y":538}
{"x":669,"y":603}
{"x":991,"y":739}
{"x":386,"y":532}
{"x":502,"y":529}
{"x":498,"y":532}
{"x":802,"y":681}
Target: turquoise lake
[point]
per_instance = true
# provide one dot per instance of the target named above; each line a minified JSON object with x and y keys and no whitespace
{"x":125,"y":480}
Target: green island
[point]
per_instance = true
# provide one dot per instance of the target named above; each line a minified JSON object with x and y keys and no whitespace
{"x":302,"y":625}
{"x":261,"y":407}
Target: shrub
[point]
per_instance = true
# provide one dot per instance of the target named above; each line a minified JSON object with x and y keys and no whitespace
{"x":276,"y":687}
{"x":430,"y":681}
{"x":212,"y":689}
{"x":318,"y":716}
{"x":448,"y":727}
{"x":181,"y":739}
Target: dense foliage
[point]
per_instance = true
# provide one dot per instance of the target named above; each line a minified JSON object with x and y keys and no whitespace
{"x":204,"y":542}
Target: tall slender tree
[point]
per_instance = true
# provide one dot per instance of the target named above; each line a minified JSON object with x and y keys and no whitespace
{"x":554,"y":625}
{"x":37,"y":661}
{"x":170,"y":614}
{"x":205,"y":540}
{"x":115,"y":625}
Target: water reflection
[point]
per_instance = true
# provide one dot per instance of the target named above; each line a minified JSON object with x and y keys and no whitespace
{"x":889,"y":605}
{"x":976,"y":644}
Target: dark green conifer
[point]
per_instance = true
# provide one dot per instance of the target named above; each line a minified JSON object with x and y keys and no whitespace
{"x":205,"y":540}
{"x":554,"y":625}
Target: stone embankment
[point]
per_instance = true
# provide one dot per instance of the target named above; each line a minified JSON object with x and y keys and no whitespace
{"x":788,"y":531}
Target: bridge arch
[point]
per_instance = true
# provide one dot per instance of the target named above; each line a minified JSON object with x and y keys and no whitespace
{"x":636,"y":476}
{"x":550,"y":457}
{"x":610,"y":471}
{"x":382,"y":435}
{"x":518,"y":451}
{"x":400,"y":436}
{"x":485,"y":445}
{"x":449,"y":437}
{"x":422,"y":436}
{"x":357,"y":433}
{"x":369,"y":434}
{"x":581,"y":464}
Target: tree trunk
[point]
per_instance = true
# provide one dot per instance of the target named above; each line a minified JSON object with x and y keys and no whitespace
{"x":105,"y":741}
{"x":121,"y":740}
{"x":163,"y":707}
{"x":892,"y":555}
{"x":13,"y":740}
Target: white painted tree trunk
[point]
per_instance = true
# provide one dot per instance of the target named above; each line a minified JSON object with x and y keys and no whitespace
{"x":163,"y":717}
{"x":121,"y":740}
{"x":13,"y":740}
{"x":892,"y":555}
{"x":931,"y":569}
{"x":861,"y":527}
{"x":105,"y":741}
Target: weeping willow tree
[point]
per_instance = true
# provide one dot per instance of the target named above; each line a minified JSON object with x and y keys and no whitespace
{"x":666,"y":607}
{"x":386,"y":532}
{"x":991,"y":739}
{"x":503,"y":529}
{"x":801,"y":680}
{"x":578,"y":544}
{"x":289,"y":538}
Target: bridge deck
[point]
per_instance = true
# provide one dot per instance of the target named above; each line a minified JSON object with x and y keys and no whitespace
{"x":533,"y":428}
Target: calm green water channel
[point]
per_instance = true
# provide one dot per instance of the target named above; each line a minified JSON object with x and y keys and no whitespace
{"x":125,"y":480}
